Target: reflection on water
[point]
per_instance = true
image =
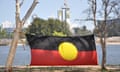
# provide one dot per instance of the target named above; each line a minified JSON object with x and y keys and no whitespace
{"x":23,"y":57}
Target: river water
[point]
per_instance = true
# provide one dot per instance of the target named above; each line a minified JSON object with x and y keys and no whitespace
{"x":23,"y":57}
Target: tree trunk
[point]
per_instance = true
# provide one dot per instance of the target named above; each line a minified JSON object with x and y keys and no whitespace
{"x":13,"y":47}
{"x":16,"y":36}
{"x":15,"y":39}
{"x":103,"y":44}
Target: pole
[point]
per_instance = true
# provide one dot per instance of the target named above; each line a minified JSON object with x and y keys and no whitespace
{"x":15,"y":39}
{"x":35,"y":2}
{"x":18,"y":29}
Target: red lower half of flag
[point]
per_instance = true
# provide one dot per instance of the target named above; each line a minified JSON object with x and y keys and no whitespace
{"x":53,"y":57}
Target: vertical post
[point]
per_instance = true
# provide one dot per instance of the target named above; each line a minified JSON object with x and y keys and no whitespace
{"x":65,"y":15}
{"x":15,"y":39}
{"x":18,"y":29}
{"x":64,"y":10}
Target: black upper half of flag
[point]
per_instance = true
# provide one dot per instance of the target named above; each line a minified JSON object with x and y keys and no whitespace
{"x":83,"y":43}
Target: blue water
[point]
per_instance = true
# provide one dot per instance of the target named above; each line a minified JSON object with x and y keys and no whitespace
{"x":22,"y":56}
{"x":113,"y":54}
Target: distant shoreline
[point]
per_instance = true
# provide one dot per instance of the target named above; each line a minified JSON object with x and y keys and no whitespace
{"x":109,"y":43}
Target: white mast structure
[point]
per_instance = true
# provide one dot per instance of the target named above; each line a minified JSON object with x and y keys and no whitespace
{"x":64,"y":13}
{"x":67,"y":12}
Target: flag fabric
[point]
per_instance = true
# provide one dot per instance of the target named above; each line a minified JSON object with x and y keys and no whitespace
{"x":55,"y":50}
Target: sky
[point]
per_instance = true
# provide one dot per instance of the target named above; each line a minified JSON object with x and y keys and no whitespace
{"x":45,"y":9}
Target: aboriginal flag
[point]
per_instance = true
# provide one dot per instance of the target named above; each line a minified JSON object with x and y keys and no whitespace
{"x":55,"y":50}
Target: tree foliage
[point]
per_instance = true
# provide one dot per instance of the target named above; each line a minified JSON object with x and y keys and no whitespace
{"x":5,"y":34}
{"x":48,"y":27}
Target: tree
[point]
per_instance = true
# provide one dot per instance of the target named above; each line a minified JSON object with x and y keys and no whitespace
{"x":48,"y":27}
{"x":107,"y":9}
{"x":19,"y":24}
{"x":2,"y":33}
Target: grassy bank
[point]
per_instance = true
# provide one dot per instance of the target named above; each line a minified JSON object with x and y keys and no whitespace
{"x":111,"y":68}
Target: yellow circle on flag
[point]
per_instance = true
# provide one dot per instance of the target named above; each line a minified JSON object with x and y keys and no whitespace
{"x":68,"y":51}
